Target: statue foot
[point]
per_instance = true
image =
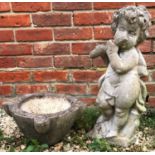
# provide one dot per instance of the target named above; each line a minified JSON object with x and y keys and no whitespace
{"x":111,"y":134}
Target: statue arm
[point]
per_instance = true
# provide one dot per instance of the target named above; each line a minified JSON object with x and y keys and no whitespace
{"x":98,"y":51}
{"x":118,"y":64}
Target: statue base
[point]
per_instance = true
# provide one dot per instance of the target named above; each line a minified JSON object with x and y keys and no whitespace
{"x":103,"y":130}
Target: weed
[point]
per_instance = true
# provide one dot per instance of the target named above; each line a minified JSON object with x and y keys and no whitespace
{"x":147,"y":120}
{"x":88,"y":118}
{"x":34,"y":146}
{"x":100,"y":145}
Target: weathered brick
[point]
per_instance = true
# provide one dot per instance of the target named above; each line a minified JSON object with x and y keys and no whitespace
{"x":34,"y":35}
{"x":82,"y":48}
{"x":145,"y":47}
{"x":92,"y":18}
{"x":73,"y":34}
{"x":74,"y":89}
{"x":7,"y":62}
{"x":6,"y":35}
{"x":15,"y":20}
{"x":72,"y":61}
{"x":103,"y":33}
{"x":5,"y":90}
{"x":4,"y":7}
{"x":51,"y":49}
{"x":30,"y":6}
{"x":19,"y":76}
{"x":111,"y":5}
{"x":71,"y":6}
{"x":150,"y":60}
{"x":46,"y":76}
{"x":27,"y":88}
{"x":33,"y":62}
{"x":54,"y":19}
{"x":15,"y":49}
{"x":86,"y":76}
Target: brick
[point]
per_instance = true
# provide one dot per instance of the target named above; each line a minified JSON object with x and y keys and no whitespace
{"x":15,"y":49}
{"x":27,"y":88}
{"x":14,"y":20}
{"x":47,"y":76}
{"x":30,"y":6}
{"x":150,"y":60}
{"x":4,"y":7}
{"x":147,"y":4}
{"x":52,"y":49}
{"x":73,"y":34}
{"x":54,"y":19}
{"x":103,"y":33}
{"x":152,"y":31}
{"x":111,"y":5}
{"x":154,"y":46}
{"x":145,"y":47}
{"x":7,"y":62}
{"x":71,"y":6}
{"x":82,"y":48}
{"x":19,"y":76}
{"x":6,"y":35}
{"x":32,"y":62}
{"x":151,"y":101}
{"x":151,"y":88}
{"x":5,"y":90}
{"x":99,"y":62}
{"x":92,"y":18}
{"x":152,"y":13}
{"x":153,"y":76}
{"x":74,"y":89}
{"x":72,"y":61}
{"x":93,"y":89}
{"x":86,"y":76}
{"x":34,"y":35}
{"x":88,"y":101}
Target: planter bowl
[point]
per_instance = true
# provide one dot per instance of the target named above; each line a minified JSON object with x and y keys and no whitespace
{"x":46,"y":128}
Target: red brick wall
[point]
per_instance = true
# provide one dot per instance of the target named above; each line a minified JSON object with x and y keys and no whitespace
{"x":45,"y":47}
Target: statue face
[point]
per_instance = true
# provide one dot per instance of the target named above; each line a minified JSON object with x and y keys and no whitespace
{"x":127,"y":34}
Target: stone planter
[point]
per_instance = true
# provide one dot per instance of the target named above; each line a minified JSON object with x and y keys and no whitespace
{"x":46,"y":128}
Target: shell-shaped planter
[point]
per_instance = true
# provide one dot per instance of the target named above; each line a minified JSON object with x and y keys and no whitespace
{"x":46,"y":128}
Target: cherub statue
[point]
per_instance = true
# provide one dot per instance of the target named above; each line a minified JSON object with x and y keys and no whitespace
{"x":122,"y":93}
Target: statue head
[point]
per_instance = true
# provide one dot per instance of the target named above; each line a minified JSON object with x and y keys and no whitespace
{"x":130,"y":26}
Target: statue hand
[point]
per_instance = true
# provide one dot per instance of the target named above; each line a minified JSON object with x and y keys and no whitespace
{"x":111,"y":47}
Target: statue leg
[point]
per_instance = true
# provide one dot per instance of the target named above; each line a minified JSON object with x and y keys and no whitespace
{"x":106,"y":108}
{"x":127,"y":93}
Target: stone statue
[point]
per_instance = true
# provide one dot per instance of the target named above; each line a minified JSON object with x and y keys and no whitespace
{"x":122,"y":93}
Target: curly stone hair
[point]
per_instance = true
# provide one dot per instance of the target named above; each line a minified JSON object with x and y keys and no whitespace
{"x":134,"y":15}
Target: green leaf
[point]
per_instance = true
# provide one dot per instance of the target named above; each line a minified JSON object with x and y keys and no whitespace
{"x":44,"y":146}
{"x":30,"y":148}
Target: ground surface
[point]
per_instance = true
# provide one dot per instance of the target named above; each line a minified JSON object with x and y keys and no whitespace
{"x":11,"y":139}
